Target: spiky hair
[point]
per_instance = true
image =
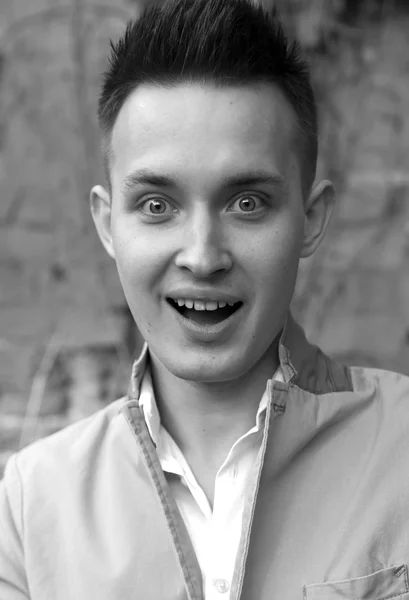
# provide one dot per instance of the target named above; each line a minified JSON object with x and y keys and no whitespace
{"x":215,"y":42}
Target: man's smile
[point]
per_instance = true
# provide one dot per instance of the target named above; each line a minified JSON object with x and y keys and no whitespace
{"x":204,"y":312}
{"x":205,"y":307}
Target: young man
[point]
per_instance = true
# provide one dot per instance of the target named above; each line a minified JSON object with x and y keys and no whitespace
{"x":244,"y":462}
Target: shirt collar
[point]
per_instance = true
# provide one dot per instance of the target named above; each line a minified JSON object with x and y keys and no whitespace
{"x":149,"y":407}
{"x":147,"y":403}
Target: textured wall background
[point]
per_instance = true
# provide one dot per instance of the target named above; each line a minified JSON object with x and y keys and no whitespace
{"x":66,"y":339}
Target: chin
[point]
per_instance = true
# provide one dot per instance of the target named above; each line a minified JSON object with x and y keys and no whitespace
{"x":206,"y":369}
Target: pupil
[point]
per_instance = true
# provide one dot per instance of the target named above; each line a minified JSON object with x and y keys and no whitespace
{"x":247,"y":204}
{"x":157,"y":207}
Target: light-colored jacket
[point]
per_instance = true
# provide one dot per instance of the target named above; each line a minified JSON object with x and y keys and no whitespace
{"x":86,"y":513}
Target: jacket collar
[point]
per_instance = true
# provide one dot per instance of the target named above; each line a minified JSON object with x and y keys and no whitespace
{"x":303,"y":365}
{"x":306,"y":366}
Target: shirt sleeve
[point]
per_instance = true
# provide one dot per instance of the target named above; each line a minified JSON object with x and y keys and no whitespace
{"x":13,"y":582}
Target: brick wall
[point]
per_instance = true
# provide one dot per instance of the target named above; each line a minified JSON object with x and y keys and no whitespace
{"x":64,"y":334}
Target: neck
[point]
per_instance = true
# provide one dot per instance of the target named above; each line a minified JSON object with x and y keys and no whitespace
{"x":205,"y":419}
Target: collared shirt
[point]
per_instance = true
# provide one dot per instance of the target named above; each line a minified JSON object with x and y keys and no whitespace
{"x":215,"y":534}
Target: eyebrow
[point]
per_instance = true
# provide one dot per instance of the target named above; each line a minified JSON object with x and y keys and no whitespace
{"x":148,"y":177}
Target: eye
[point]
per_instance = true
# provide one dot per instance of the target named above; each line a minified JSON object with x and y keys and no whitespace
{"x":247,"y":204}
{"x":156,"y":206}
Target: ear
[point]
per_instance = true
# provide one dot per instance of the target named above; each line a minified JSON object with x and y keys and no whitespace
{"x":100,"y":202}
{"x":318,"y":210}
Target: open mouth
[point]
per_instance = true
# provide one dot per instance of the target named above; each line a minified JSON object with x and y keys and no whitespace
{"x":204,"y":316}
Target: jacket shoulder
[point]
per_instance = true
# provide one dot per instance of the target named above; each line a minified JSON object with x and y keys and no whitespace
{"x":388,"y":384}
{"x":71,"y":445}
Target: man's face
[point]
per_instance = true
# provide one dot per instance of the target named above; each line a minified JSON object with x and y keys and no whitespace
{"x":206,"y":207}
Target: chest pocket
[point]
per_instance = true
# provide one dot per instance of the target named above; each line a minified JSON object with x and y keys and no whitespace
{"x":382,"y":585}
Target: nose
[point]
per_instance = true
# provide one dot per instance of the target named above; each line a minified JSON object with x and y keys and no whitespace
{"x":203,"y":248}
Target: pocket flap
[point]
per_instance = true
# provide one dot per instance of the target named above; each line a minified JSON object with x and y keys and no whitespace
{"x":384,"y":584}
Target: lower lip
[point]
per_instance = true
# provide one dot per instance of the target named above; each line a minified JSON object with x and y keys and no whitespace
{"x":208,"y":333}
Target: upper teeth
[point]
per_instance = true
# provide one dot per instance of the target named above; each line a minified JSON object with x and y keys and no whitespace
{"x":202,"y":305}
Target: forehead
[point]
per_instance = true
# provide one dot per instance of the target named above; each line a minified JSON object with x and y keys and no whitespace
{"x":203,"y":131}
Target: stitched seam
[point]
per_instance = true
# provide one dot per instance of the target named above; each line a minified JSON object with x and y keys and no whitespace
{"x":188,"y":576}
{"x":169,"y":520}
{"x":399,"y":571}
{"x":19,"y":478}
{"x":399,"y":595}
{"x":289,"y":363}
{"x":168,"y":512}
{"x":257,"y":485}
{"x":405,"y":570}
{"x":393,"y":596}
{"x":316,"y":392}
{"x":312,"y":390}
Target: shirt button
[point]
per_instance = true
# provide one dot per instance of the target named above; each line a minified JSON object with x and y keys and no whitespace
{"x":221,"y":585}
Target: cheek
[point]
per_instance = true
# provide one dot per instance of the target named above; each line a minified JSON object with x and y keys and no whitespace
{"x":275,"y":253}
{"x":132,"y":260}
{"x":141,"y":261}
